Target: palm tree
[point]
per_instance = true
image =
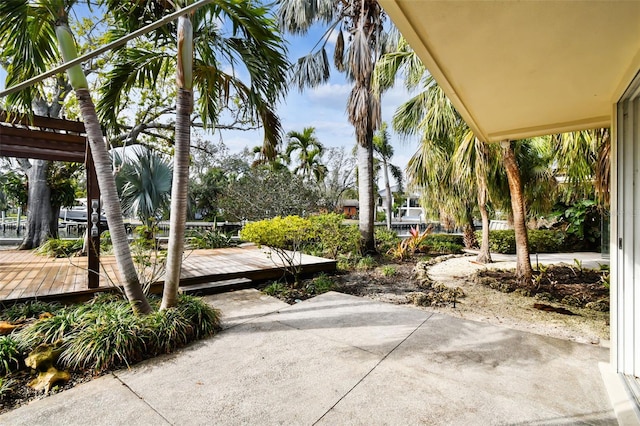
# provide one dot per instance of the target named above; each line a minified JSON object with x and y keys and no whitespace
{"x":310,"y":151}
{"x":144,"y":183}
{"x":362,"y":21}
{"x":383,"y":150}
{"x":447,"y":168}
{"x":202,"y":50}
{"x":524,"y":272}
{"x":51,"y":24}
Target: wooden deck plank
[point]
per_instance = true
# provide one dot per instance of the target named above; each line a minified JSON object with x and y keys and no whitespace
{"x":25,"y":275}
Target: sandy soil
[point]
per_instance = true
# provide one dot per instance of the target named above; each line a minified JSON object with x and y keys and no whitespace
{"x":480,"y":302}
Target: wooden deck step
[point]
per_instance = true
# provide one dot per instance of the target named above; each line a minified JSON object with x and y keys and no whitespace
{"x":217,"y":286}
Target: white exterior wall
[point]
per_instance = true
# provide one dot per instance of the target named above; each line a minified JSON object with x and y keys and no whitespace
{"x":625,"y":233}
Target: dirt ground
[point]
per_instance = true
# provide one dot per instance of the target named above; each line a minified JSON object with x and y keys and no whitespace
{"x":542,"y":314}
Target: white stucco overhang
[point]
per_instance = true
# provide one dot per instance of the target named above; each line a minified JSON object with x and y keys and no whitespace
{"x":515,"y":69}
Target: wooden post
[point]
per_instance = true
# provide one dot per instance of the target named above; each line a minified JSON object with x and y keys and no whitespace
{"x":93,"y":193}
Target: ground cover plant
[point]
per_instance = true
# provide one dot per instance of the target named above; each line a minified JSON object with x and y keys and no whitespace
{"x":92,"y":338}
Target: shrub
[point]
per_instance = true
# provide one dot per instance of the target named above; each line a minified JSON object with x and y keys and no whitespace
{"x":209,"y":239}
{"x":540,"y":241}
{"x":546,"y":241}
{"x":443,"y":247}
{"x":333,"y":237}
{"x":443,"y":244}
{"x":105,"y":242}
{"x":286,"y":238}
{"x":287,"y":233}
{"x":55,"y":247}
{"x":386,"y":239}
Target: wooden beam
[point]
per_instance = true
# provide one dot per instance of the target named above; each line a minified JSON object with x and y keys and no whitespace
{"x":55,"y":124}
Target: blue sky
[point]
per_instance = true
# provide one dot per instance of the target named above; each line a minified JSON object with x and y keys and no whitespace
{"x":323,"y":108}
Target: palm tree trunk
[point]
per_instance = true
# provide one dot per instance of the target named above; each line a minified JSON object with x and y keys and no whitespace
{"x":366,"y":213}
{"x":111,"y":203}
{"x":180,"y":183}
{"x":179,"y":190}
{"x":469,"y":232}
{"x":484,"y":256}
{"x":524,"y":272}
{"x":387,"y":187}
{"x":106,"y":180}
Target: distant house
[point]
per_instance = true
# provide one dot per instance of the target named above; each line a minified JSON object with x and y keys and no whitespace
{"x":410,"y":211}
{"x":350,"y":209}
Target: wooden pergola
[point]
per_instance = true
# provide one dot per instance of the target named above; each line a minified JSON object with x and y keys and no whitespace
{"x":54,"y":139}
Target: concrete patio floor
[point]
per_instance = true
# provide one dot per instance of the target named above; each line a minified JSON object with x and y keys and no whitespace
{"x":338,"y":359}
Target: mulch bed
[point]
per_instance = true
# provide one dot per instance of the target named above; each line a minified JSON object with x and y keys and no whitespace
{"x":564,"y":284}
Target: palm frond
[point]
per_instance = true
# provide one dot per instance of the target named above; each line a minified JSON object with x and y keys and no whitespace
{"x":311,"y":70}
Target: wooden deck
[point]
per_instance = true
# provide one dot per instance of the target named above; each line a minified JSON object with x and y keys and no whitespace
{"x":25,"y":275}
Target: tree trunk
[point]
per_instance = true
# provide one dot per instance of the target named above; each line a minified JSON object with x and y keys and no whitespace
{"x":179,"y":190}
{"x":180,"y":183}
{"x":524,"y":272}
{"x":469,"y":232}
{"x":366,"y":214}
{"x":387,"y":186}
{"x":484,"y":256}
{"x":111,"y":203}
{"x":39,"y":210}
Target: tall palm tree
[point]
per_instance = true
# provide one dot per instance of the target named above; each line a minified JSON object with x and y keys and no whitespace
{"x":309,"y":150}
{"x":202,"y":51}
{"x":524,"y":272}
{"x":446,"y":167}
{"x":362,"y":21}
{"x":51,"y":18}
{"x":383,"y":150}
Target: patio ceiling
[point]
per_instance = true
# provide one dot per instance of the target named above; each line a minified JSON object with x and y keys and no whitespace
{"x":515,"y":69}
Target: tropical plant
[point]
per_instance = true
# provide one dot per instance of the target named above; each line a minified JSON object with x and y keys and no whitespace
{"x":200,"y":48}
{"x":35,"y":27}
{"x":309,"y":157}
{"x":408,"y":246}
{"x":55,"y":247}
{"x":524,"y":271}
{"x":105,"y":333}
{"x":143,"y":181}
{"x":355,"y":54}
{"x":446,"y":169}
{"x":383,"y":151}
{"x":27,"y":48}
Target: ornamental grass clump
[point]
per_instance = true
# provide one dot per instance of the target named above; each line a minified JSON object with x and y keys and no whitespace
{"x":22,"y":311}
{"x":106,"y":333}
{"x":9,"y":355}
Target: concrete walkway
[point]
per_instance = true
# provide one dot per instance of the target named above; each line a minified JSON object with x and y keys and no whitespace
{"x":339,"y":359}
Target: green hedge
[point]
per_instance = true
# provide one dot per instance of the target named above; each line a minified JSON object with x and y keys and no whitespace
{"x":324,"y":235}
{"x":540,"y":241}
